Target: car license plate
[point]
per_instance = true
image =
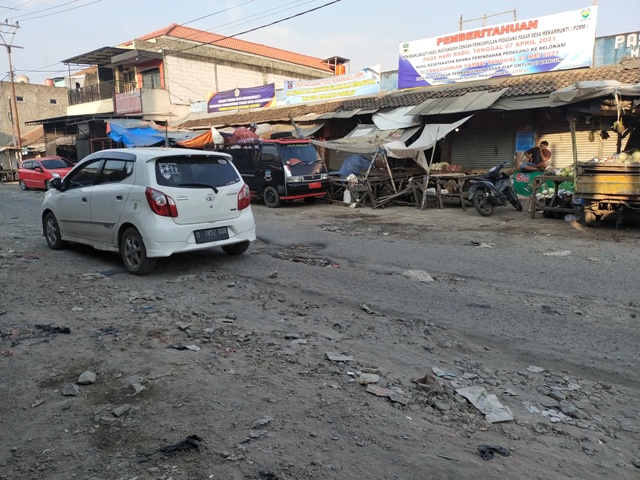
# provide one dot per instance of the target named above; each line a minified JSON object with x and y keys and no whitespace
{"x":315,"y":185}
{"x":211,"y":234}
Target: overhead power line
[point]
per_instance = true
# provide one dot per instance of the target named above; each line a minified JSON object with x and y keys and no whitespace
{"x":57,"y":12}
{"x":215,"y":13}
{"x":259,"y":28}
{"x":191,"y":21}
{"x":259,"y":15}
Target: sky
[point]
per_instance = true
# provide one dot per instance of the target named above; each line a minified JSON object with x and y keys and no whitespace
{"x":367,"y":32}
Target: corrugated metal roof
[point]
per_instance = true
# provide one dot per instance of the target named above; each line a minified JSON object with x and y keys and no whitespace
{"x":469,"y":102}
{"x":340,"y":114}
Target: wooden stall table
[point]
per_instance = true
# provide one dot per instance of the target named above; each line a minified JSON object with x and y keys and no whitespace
{"x":440,"y":182}
{"x":536,"y":205}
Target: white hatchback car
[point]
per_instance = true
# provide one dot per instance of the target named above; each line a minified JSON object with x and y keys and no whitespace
{"x":150,"y":202}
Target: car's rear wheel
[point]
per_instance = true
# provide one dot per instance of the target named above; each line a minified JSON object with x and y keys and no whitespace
{"x":52,"y":232}
{"x":134,"y":253}
{"x":23,"y":186}
{"x":271,"y":197}
{"x":236,"y":248}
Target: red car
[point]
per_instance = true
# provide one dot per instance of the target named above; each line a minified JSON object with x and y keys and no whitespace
{"x":36,"y":172}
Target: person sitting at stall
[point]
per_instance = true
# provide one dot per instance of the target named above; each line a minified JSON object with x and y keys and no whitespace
{"x":538,"y":158}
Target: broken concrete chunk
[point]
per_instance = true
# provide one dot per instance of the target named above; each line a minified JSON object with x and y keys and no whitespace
{"x":87,"y":378}
{"x":261,"y":422}
{"x":368,"y":378}
{"x":121,"y":410}
{"x":338,"y":357}
{"x":378,"y":391}
{"x":70,"y":390}
{"x":534,"y":369}
{"x":397,"y":395}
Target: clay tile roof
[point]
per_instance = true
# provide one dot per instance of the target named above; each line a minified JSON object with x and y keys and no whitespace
{"x":541,"y":83}
{"x":191,"y":34}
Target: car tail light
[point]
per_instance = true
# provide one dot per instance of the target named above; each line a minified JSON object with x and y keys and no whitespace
{"x":160,"y":203}
{"x":244,"y":197}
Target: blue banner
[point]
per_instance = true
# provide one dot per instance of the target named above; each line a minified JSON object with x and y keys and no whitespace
{"x":240,"y":98}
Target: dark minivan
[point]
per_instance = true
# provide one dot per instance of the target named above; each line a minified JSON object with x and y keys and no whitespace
{"x":280,"y":169}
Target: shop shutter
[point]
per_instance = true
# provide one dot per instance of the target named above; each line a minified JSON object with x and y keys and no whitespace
{"x":482,"y":147}
{"x":559,"y":138}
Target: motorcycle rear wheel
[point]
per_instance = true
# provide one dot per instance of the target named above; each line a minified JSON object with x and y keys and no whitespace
{"x":516,"y":204}
{"x":482,"y":203}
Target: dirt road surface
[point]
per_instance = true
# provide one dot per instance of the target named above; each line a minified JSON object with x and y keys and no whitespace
{"x":346,"y":344}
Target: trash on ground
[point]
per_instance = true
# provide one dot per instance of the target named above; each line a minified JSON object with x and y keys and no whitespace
{"x":193,"y":348}
{"x":562,"y":253}
{"x":50,"y":329}
{"x":443,"y":374}
{"x":366,"y":308}
{"x":487,"y":451}
{"x":191,"y":442}
{"x":488,"y":404}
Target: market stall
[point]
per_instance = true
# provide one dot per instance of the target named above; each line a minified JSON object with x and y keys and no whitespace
{"x":385,"y":179}
{"x":611,"y":184}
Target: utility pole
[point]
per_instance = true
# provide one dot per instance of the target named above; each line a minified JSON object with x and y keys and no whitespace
{"x":9,"y":30}
{"x":484,"y":18}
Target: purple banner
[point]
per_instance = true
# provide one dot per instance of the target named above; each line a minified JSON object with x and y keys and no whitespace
{"x":240,"y":98}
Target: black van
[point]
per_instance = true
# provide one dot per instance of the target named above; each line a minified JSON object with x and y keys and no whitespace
{"x":280,"y":169}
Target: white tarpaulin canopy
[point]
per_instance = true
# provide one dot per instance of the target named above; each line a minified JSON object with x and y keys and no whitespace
{"x":394,"y":119}
{"x":586,"y":90}
{"x":428,"y":138}
{"x":368,"y":139}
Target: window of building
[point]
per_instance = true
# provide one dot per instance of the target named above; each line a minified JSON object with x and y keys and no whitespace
{"x":53,"y":101}
{"x":19,"y":98}
{"x":151,"y":78}
{"x":129,"y":76}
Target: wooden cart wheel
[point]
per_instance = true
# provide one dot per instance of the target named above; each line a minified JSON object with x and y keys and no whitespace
{"x":590,"y":219}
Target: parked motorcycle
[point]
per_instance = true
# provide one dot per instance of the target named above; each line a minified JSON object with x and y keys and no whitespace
{"x":492,"y":190}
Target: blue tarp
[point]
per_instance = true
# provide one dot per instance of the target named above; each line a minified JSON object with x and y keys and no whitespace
{"x":354,"y":164}
{"x":137,"y":133}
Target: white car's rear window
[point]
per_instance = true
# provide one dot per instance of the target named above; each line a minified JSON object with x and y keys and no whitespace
{"x":195,"y":172}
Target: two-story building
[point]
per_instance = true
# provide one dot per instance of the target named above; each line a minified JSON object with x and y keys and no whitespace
{"x":158,"y":76}
{"x":33,"y":102}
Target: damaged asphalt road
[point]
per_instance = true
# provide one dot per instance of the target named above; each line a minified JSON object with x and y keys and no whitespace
{"x":283,"y":373}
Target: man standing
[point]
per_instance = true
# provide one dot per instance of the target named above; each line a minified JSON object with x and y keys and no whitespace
{"x":538,"y":158}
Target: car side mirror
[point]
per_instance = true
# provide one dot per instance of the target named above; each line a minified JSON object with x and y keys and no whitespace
{"x":55,"y":182}
{"x":38,"y":169}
